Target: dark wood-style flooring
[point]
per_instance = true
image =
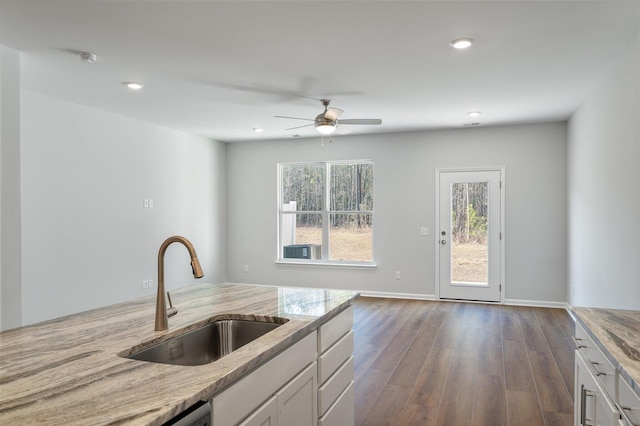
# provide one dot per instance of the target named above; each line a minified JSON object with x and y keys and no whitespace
{"x":450,"y":363}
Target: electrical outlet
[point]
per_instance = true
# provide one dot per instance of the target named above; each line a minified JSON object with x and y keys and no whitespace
{"x":424,"y":231}
{"x":398,"y":275}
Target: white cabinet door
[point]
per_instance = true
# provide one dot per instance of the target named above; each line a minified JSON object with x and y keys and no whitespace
{"x":592,"y":404}
{"x":266,"y":415}
{"x":297,"y":400}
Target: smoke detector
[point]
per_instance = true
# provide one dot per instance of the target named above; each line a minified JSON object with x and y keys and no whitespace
{"x":88,"y":57}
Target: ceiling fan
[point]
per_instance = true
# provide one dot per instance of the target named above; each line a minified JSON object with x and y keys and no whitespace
{"x":327,"y":121}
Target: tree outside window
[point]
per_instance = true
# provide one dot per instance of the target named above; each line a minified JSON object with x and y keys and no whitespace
{"x":326,"y":212}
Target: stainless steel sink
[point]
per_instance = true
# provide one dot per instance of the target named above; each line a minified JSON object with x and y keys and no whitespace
{"x":205,"y":344}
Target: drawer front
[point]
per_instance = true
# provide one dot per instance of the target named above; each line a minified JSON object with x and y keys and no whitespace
{"x":247,"y":394}
{"x":342,"y":412}
{"x":331,"y":390}
{"x":629,"y":402}
{"x":334,"y":329}
{"x":604,"y":371}
{"x":333,"y":358}
{"x":593,"y":405}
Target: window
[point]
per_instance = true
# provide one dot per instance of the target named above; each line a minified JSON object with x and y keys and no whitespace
{"x":326,"y":212}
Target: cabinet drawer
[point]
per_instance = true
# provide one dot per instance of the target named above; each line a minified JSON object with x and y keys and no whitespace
{"x":629,"y":402}
{"x":331,"y":331}
{"x":331,"y":390}
{"x":604,"y":371}
{"x":593,"y":405}
{"x":341,"y":412}
{"x":244,"y":396}
{"x":333,"y":358}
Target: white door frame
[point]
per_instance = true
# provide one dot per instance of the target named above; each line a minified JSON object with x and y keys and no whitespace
{"x":500,"y":169}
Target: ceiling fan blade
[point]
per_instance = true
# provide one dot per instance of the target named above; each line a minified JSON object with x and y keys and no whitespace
{"x":361,"y":121}
{"x":343,"y":130}
{"x":299,"y":127}
{"x":333,"y":113}
{"x":293,"y":118}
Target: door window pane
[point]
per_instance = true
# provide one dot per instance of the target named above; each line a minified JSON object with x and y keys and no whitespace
{"x":469,"y":242}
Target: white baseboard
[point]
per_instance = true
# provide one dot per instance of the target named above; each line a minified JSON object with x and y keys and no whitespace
{"x":513,"y":302}
{"x":384,"y":294}
{"x":537,"y":303}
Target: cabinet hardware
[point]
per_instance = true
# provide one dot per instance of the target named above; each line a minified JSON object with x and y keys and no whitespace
{"x":577,"y":341}
{"x":598,"y":373}
{"x":623,"y":413}
{"x":584,"y":393}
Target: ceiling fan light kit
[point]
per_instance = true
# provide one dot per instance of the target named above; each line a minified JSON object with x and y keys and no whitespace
{"x":327,"y":121}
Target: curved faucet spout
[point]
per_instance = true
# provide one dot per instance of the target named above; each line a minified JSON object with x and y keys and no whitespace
{"x":162,"y":319}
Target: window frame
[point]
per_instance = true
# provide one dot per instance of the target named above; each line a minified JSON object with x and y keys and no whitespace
{"x":324,"y":214}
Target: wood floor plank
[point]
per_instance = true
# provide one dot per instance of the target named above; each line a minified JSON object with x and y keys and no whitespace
{"x":409,"y":367}
{"x":433,"y":378}
{"x":518,"y":375}
{"x":510,"y":324}
{"x":451,"y":363}
{"x":368,"y":388}
{"x":523,"y":409}
{"x":533,"y":336}
{"x":391,"y":401}
{"x":565,"y":360}
{"x":456,"y":406}
{"x":490,"y":401}
{"x":552,"y":392}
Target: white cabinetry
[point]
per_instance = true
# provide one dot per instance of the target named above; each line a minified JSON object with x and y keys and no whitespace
{"x":335,"y":371}
{"x":308,"y":384}
{"x":602,"y":397}
{"x":281,"y":391}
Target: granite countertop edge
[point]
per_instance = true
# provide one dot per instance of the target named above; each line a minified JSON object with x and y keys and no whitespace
{"x":67,"y":370}
{"x":624,"y":355}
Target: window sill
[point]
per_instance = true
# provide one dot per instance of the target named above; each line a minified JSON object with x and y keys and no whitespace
{"x":339,"y":265}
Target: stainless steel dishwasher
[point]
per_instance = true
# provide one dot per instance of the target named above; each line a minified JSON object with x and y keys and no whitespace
{"x":197,"y":415}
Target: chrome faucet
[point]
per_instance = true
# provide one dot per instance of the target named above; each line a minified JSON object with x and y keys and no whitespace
{"x":162,"y":315}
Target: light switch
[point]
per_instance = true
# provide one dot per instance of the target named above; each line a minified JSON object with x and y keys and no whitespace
{"x":424,"y":231}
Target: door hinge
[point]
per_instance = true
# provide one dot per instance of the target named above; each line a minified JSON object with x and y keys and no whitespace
{"x":500,"y":287}
{"x":500,"y":184}
{"x":501,"y":236}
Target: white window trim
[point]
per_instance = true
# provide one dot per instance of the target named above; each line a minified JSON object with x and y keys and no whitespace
{"x":324,"y":262}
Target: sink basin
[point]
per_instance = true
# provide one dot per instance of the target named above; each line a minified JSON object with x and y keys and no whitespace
{"x":205,"y":344}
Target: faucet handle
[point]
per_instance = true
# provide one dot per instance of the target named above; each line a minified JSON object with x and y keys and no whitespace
{"x":171,"y":311}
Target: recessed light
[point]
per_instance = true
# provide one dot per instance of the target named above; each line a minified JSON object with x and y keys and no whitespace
{"x":474,"y":113}
{"x":133,"y":85}
{"x":258,"y":130}
{"x":461,"y":43}
{"x":88,"y":57}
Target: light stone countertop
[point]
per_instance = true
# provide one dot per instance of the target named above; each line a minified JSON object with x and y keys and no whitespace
{"x":67,"y":371}
{"x":617,"y":333}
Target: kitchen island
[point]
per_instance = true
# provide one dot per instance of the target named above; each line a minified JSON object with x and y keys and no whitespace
{"x":68,"y":371}
{"x":607,"y":378}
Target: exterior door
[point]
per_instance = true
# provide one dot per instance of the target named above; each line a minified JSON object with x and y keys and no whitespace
{"x":470,"y":235}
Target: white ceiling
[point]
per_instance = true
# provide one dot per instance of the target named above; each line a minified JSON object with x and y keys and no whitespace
{"x":221,"y":68}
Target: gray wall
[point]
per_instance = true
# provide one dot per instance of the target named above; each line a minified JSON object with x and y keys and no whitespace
{"x":87,"y":240}
{"x":10,"y":248}
{"x":604,"y":192}
{"x":405,"y":164}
